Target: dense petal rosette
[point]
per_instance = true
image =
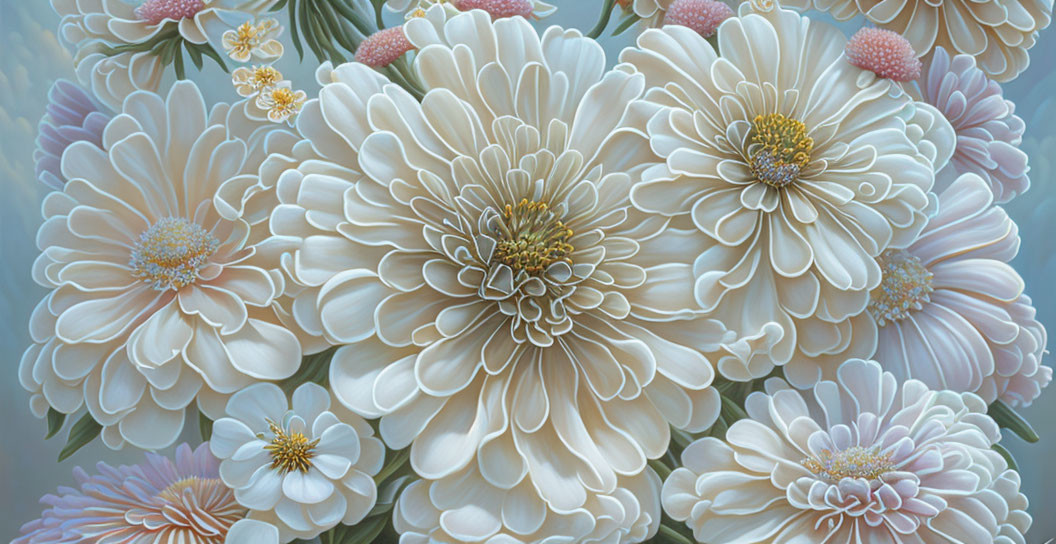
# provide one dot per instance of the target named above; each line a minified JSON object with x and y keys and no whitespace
{"x":503,"y":302}
{"x":161,"y":500}
{"x":863,"y":458}
{"x":157,"y":299}
{"x":951,"y":312}
{"x":997,"y":33}
{"x":71,"y":116}
{"x":988,"y":130}
{"x":303,"y":465}
{"x":465,"y":508}
{"x":94,"y":29}
{"x":786,"y":175}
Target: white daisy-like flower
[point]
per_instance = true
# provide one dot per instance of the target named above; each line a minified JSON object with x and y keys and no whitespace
{"x":257,"y":42}
{"x":503,"y":302}
{"x":951,"y":312}
{"x":786,"y":175}
{"x":301,"y":465}
{"x":988,"y":130}
{"x":859,"y":459}
{"x":465,"y":508}
{"x":650,"y":11}
{"x":157,"y":300}
{"x":101,"y":31}
{"x":535,"y":9}
{"x":252,"y":531}
{"x":998,"y":33}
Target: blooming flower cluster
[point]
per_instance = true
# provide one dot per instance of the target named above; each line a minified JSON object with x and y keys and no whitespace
{"x":485,"y":287}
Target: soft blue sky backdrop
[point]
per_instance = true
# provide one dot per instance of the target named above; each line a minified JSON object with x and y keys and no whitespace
{"x":33,"y":59}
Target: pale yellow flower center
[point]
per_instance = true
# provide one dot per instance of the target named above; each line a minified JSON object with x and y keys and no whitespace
{"x":533,"y":238}
{"x":265,"y":76}
{"x":854,"y":462}
{"x":906,"y":286}
{"x":170,"y":253}
{"x":201,"y":487}
{"x":780,"y":149}
{"x":290,"y":451}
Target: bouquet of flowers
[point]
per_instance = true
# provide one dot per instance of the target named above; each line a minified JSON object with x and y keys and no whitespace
{"x":746,"y":283}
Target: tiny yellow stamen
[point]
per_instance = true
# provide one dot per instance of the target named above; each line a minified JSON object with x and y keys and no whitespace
{"x":533,"y":238}
{"x":780,"y":149}
{"x":245,"y":40}
{"x":290,"y":452}
{"x":854,"y":462}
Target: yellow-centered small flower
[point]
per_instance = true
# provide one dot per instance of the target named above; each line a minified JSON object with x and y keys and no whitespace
{"x":281,"y":102}
{"x":253,"y":81}
{"x":250,"y":41}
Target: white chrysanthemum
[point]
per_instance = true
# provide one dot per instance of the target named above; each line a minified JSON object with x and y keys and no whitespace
{"x":861,"y":459}
{"x":997,"y":33}
{"x":301,"y":465}
{"x":535,"y":9}
{"x":95,"y":29}
{"x":465,"y":508}
{"x":651,"y":11}
{"x":157,"y":299}
{"x":504,"y":303}
{"x":950,"y":311}
{"x":786,"y":175}
{"x":988,"y":130}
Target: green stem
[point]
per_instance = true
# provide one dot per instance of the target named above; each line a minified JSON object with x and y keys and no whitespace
{"x":1009,"y":419}
{"x":378,"y":18}
{"x":397,"y":461}
{"x":671,"y":535}
{"x":660,"y":468}
{"x":603,"y":19}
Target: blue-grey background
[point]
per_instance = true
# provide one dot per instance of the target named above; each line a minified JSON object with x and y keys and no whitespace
{"x":31,"y":59}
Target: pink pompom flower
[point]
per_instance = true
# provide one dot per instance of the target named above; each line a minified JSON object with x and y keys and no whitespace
{"x":884,"y":53}
{"x":498,"y":9}
{"x":383,"y":47}
{"x":703,"y":16}
{"x":156,"y":11}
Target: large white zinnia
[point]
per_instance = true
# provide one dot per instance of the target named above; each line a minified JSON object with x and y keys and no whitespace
{"x":157,"y":300}
{"x":788,"y":170}
{"x":102,"y":32}
{"x":998,"y":33}
{"x":502,"y":300}
{"x":951,"y":312}
{"x":465,"y":508}
{"x":860,"y":459}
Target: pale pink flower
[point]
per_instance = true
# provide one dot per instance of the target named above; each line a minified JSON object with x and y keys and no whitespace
{"x":161,"y":500}
{"x":884,"y":53}
{"x":498,"y":8}
{"x":71,"y":116}
{"x":988,"y":131}
{"x":703,"y":16}
{"x":156,"y":11}
{"x":383,"y":48}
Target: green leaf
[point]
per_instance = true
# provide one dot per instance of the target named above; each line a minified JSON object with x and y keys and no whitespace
{"x":294,"y":34}
{"x":314,"y":368}
{"x":1007,"y":455}
{"x":1007,"y":418}
{"x":82,"y":432}
{"x":363,"y":532}
{"x":205,"y":427}
{"x":626,"y":23}
{"x":55,"y":421}
{"x":398,"y":460}
{"x":731,"y":411}
{"x":389,"y":493}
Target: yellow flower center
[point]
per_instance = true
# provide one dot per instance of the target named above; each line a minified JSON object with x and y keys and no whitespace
{"x":906,"y":286}
{"x":854,"y":462}
{"x":532,"y":238}
{"x":246,"y":39}
{"x":169,"y":254}
{"x":265,"y":76}
{"x":290,"y":452}
{"x":780,"y":149}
